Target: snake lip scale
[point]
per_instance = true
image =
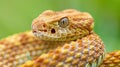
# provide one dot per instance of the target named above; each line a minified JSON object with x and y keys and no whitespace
{"x":58,"y":39}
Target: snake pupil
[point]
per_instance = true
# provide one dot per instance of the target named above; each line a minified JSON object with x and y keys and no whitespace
{"x":53,"y":31}
{"x":63,"y":22}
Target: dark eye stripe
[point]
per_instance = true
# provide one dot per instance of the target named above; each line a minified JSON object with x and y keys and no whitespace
{"x":63,"y":22}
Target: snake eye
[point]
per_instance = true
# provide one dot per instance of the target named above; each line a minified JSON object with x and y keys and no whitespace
{"x":63,"y":22}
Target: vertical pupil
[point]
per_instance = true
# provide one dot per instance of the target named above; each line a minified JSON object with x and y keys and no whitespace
{"x":63,"y":22}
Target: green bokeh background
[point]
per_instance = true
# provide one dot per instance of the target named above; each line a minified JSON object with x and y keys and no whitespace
{"x":16,"y":16}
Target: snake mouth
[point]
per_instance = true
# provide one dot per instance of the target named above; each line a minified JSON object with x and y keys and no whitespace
{"x":43,"y":30}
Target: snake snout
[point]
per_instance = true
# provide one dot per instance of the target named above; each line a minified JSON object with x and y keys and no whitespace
{"x":34,"y":29}
{"x":41,"y":27}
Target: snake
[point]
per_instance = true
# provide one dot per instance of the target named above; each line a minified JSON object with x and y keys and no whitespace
{"x":58,"y":39}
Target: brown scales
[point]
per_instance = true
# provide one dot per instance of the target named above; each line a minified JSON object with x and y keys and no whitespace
{"x":75,"y":53}
{"x":112,"y":59}
{"x":19,"y":48}
{"x":15,"y":50}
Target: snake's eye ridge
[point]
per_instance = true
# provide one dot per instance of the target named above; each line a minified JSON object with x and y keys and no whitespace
{"x":63,"y":22}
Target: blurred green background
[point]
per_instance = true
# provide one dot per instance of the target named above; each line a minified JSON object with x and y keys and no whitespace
{"x":17,"y":15}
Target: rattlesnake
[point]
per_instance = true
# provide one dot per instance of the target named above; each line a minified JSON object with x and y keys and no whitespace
{"x":64,"y":39}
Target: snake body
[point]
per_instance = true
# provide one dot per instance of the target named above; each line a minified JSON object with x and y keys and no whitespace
{"x":64,"y":39}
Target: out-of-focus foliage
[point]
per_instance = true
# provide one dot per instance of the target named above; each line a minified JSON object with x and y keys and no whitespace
{"x":17,"y":15}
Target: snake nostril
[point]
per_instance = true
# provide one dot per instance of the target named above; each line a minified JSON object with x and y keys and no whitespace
{"x":44,"y":25}
{"x":53,"y":31}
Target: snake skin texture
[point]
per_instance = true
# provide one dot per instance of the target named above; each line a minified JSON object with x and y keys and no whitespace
{"x":81,"y":53}
{"x":112,"y":59}
{"x":62,"y":39}
{"x":18,"y":48}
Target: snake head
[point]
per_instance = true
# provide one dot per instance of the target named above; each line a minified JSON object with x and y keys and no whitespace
{"x":61,"y":26}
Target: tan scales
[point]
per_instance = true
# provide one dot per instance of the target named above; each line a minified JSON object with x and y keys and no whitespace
{"x":75,"y":45}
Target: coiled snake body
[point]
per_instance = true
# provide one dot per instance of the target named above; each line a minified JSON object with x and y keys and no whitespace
{"x":64,"y":39}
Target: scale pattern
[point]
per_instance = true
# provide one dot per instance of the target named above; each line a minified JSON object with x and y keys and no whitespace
{"x":18,"y":48}
{"x":85,"y":52}
{"x":73,"y":46}
{"x":112,"y":59}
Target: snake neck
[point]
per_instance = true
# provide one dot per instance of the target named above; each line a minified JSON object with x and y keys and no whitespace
{"x":54,"y":44}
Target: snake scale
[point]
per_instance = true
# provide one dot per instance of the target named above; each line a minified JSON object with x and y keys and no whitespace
{"x":62,"y":39}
